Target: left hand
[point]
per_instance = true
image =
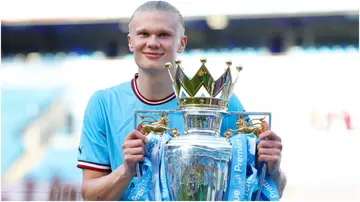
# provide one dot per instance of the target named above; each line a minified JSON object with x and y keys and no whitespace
{"x":270,"y":150}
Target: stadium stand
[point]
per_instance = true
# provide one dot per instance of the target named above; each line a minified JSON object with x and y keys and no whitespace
{"x":19,"y":108}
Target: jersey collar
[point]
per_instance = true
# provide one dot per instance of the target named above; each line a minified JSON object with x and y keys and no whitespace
{"x":147,"y":101}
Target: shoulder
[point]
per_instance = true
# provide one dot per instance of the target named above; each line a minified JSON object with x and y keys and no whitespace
{"x":235,"y":104}
{"x":116,"y":91}
{"x":105,"y":97}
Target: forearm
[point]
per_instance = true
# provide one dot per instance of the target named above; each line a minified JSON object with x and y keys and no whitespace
{"x":106,"y":188}
{"x":279,"y":179}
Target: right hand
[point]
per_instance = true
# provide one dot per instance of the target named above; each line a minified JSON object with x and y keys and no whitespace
{"x":133,"y":150}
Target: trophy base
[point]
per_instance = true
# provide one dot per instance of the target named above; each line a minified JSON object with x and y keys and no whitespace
{"x":197,"y":167}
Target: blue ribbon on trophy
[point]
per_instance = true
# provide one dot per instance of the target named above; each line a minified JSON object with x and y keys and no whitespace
{"x":251,"y":182}
{"x":238,"y":167}
{"x":259,"y":184}
{"x":244,"y":181}
{"x":152,"y":185}
{"x":144,"y":188}
{"x":202,"y":164}
{"x":164,"y":190}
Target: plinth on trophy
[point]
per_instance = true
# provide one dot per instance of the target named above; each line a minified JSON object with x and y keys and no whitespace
{"x":198,"y":157}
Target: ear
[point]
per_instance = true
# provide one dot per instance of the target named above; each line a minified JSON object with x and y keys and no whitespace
{"x":131,"y":48}
{"x":183,"y":42}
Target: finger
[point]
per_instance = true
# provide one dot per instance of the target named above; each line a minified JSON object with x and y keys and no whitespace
{"x":269,"y":151}
{"x":269,"y":158}
{"x":133,"y":144}
{"x":270,"y":144}
{"x":133,"y":159}
{"x":134,"y":151}
{"x":136,"y":135}
{"x":270,"y":135}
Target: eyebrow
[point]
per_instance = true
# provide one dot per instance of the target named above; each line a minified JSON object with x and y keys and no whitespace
{"x":160,"y":30}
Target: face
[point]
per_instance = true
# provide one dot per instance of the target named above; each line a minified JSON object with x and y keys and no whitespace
{"x":155,"y":38}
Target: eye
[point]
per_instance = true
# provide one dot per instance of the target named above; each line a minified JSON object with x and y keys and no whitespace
{"x":144,"y":34}
{"x":163,"y":34}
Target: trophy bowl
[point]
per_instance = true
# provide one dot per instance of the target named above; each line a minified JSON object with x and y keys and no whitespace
{"x":197,"y":167}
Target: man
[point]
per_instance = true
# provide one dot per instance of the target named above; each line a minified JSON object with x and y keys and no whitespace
{"x":109,"y":148}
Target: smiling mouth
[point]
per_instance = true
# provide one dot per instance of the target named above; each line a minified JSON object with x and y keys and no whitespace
{"x":153,"y":55}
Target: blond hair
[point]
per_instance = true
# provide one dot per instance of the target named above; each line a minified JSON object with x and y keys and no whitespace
{"x":159,"y":6}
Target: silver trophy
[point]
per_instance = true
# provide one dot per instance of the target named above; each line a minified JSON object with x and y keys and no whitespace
{"x":197,"y":159}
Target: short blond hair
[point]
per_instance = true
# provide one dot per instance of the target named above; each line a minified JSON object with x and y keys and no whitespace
{"x":158,"y":6}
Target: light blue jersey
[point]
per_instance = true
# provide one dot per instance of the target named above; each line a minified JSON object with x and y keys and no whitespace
{"x":109,"y":118}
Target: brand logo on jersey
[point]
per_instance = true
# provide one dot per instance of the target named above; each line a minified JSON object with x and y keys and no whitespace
{"x":80,"y":149}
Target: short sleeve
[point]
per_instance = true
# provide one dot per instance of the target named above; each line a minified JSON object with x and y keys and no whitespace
{"x":230,"y":121}
{"x":93,"y":149}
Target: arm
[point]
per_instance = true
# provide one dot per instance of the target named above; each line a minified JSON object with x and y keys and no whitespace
{"x":279,"y":179}
{"x":104,"y":186}
{"x":100,"y":180}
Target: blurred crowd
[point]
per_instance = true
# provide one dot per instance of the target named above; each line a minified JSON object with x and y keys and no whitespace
{"x":57,"y":191}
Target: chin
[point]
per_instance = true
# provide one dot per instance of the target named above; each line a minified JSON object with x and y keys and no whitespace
{"x":153,"y":68}
{"x":152,"y":64}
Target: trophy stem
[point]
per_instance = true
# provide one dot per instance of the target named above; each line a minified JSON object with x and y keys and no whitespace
{"x":204,"y":122}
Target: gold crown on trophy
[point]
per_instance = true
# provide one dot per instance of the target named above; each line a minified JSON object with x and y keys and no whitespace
{"x":203,"y":90}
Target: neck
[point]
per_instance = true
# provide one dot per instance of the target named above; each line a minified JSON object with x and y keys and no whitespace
{"x":155,"y":86}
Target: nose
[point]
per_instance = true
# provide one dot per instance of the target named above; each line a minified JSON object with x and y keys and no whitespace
{"x":153,"y":42}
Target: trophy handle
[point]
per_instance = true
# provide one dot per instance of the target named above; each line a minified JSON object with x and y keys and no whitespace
{"x":150,"y":124}
{"x":250,"y":127}
{"x":158,"y":126}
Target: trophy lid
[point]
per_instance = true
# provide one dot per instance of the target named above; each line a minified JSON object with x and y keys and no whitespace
{"x":202,"y":90}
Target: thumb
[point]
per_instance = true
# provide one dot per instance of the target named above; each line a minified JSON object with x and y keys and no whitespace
{"x":265,"y":125}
